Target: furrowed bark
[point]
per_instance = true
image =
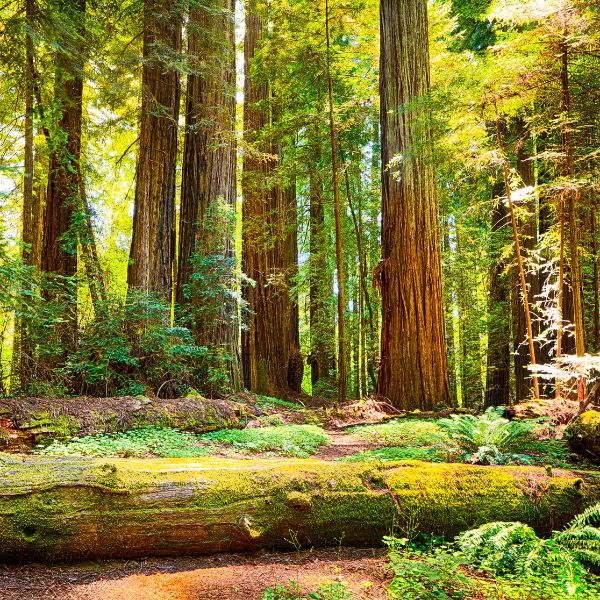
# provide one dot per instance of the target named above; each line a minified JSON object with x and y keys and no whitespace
{"x":153,"y":241}
{"x":69,"y":509}
{"x":413,"y":369}
{"x":208,"y":187}
{"x":270,"y":351}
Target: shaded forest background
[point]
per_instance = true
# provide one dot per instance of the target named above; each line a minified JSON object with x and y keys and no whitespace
{"x":191,"y":197}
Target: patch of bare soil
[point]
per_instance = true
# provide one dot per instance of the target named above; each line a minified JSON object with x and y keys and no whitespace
{"x":364,"y":572}
{"x":342,"y":444}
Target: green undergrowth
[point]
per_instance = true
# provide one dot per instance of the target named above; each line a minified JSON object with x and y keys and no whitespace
{"x":140,"y":442}
{"x":399,"y":453}
{"x":287,"y":440}
{"x":293,"y":591}
{"x":148,"y":441}
{"x":271,"y":402}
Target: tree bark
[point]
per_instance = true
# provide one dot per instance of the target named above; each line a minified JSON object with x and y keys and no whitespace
{"x":208,"y":186}
{"x":59,"y":248}
{"x":153,"y":241}
{"x":269,"y":346}
{"x":322,"y":329}
{"x":413,"y":370}
{"x":342,"y":364}
{"x":70,"y":509}
{"x":497,"y":391}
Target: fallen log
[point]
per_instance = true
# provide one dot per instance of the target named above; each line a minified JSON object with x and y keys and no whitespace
{"x":67,"y":509}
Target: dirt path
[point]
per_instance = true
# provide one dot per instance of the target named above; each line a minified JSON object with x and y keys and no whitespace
{"x":342,"y":444}
{"x":219,"y":577}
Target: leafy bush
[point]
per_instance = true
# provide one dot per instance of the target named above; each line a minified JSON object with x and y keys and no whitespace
{"x":291,"y":440}
{"x":292,"y":591}
{"x":143,"y":441}
{"x":132,"y":346}
{"x":403,"y":433}
{"x":489,"y":438}
{"x":403,"y":453}
{"x":515,"y":549}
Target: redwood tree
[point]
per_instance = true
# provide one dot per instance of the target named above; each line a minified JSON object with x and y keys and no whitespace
{"x":270,"y":353}
{"x":208,"y":187}
{"x":413,"y":371}
{"x":153,"y":242}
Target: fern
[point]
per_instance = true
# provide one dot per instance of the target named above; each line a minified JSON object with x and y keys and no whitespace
{"x":514,"y":548}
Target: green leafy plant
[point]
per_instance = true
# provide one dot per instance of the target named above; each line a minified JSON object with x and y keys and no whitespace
{"x":515,"y":549}
{"x":139,"y":442}
{"x":291,"y":440}
{"x":292,"y":591}
{"x":489,"y":438}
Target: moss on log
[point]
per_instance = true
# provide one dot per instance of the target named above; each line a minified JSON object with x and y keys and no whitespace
{"x":25,"y":422}
{"x":76,"y":508}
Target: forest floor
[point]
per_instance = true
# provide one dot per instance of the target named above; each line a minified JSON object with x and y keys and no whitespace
{"x":364,"y":573}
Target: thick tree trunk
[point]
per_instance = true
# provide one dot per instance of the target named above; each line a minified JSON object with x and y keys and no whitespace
{"x":208,"y":186}
{"x":153,"y":242}
{"x":413,"y":370}
{"x":59,"y":248}
{"x":269,"y":344}
{"x":69,"y":509}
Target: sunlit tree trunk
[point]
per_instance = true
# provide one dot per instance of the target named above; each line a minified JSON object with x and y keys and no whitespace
{"x":413,"y":371}
{"x":208,"y":187}
{"x":153,"y":242}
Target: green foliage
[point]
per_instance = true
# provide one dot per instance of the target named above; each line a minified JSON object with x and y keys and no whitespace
{"x":402,"y":433}
{"x":402,"y":453}
{"x":515,"y":549}
{"x":290,"y":440}
{"x":428,"y":576}
{"x":292,"y":591}
{"x":489,"y":438}
{"x":139,"y":442}
{"x":133,"y":347}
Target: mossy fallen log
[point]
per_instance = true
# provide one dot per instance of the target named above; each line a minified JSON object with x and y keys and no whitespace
{"x":25,"y":422}
{"x":69,"y":509}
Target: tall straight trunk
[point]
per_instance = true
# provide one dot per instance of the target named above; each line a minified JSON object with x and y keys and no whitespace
{"x":497,"y":391}
{"x":22,"y":351}
{"x":342,"y":358}
{"x":596,"y":276}
{"x":520,"y":265}
{"x":322,"y":329}
{"x":572,"y":201}
{"x":208,"y":184}
{"x":153,"y":241}
{"x":413,"y":370}
{"x":59,"y":246}
{"x":528,"y":230}
{"x":269,"y":346}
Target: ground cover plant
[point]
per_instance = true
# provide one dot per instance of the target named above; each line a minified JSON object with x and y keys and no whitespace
{"x":287,"y":440}
{"x":284,"y":440}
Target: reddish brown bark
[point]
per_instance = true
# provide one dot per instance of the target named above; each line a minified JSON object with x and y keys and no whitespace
{"x":208,"y":187}
{"x":270,"y":352}
{"x":153,"y":242}
{"x":413,"y":371}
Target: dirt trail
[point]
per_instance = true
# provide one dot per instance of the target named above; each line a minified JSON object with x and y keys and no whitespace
{"x":219,"y":577}
{"x":342,"y":444}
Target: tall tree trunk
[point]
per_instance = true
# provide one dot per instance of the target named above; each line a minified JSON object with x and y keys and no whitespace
{"x":322,"y":330}
{"x":528,"y":230}
{"x":497,"y":391}
{"x":22,"y":350}
{"x":153,"y":241}
{"x":596,"y":276}
{"x":520,"y":266}
{"x":59,"y":247}
{"x":342,"y":358}
{"x":208,"y":185}
{"x":413,"y":371}
{"x":268,"y":346}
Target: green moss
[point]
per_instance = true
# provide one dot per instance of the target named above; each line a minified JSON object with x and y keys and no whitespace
{"x":59,"y":427}
{"x":583,"y":434}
